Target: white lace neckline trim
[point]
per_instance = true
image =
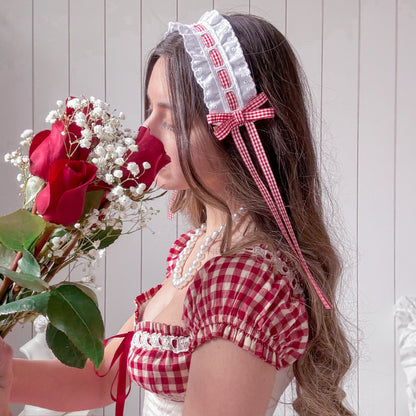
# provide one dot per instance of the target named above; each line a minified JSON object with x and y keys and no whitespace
{"x":155,"y":340}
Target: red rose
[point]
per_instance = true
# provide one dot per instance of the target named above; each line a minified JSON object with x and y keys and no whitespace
{"x":48,"y":146}
{"x":62,"y":200}
{"x":151,"y":150}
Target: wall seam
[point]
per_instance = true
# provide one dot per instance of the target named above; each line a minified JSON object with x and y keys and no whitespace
{"x":358,"y":200}
{"x":395,"y":202}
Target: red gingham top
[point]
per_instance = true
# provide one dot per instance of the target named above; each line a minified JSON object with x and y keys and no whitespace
{"x":246,"y":298}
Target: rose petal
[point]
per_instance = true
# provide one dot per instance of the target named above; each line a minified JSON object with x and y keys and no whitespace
{"x":49,"y":146}
{"x":151,"y":150}
{"x":62,"y":200}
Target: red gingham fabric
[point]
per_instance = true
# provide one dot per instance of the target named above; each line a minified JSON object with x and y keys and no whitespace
{"x":241,"y":298}
{"x":200,"y":28}
{"x":231,"y":100}
{"x":208,"y":40}
{"x":215,"y":57}
{"x":224,"y":78}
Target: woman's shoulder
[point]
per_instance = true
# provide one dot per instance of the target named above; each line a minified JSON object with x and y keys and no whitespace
{"x":250,"y":267}
{"x":249,"y":299}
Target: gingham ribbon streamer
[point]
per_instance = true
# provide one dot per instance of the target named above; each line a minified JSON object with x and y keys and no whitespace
{"x":230,"y":122}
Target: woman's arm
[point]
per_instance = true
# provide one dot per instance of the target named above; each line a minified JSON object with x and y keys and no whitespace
{"x":53,"y":385}
{"x":224,"y":380}
{"x":6,"y":355}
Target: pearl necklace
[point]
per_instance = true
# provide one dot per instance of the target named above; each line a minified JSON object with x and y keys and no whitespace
{"x":180,"y":281}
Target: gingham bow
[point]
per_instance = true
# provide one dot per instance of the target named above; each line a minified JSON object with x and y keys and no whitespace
{"x":227,"y":122}
{"x":230,"y":122}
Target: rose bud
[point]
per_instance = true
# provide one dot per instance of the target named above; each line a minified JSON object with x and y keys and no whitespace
{"x":150,"y":150}
{"x":62,"y":200}
{"x":48,"y":146}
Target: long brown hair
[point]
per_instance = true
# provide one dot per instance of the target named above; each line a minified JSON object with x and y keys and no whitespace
{"x":289,"y":144}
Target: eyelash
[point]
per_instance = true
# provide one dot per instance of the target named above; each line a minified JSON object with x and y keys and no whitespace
{"x":165,"y":124}
{"x":168,"y":126}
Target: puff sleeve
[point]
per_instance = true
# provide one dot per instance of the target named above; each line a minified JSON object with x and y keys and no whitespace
{"x":251,"y":302}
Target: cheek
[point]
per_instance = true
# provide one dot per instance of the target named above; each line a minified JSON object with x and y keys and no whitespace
{"x":171,"y":176}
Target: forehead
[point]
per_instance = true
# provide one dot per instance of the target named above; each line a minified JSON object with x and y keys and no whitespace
{"x":158,"y":90}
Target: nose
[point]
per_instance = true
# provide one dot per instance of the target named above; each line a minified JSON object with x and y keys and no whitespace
{"x":151,"y":124}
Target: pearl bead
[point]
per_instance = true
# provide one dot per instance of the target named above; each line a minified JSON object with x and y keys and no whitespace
{"x":179,"y":280}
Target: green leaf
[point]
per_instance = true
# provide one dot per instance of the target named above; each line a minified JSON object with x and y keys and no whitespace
{"x":36,"y":303}
{"x":92,"y":200}
{"x":73,"y":312}
{"x":6,"y":256}
{"x":87,"y":290}
{"x":105,"y":237}
{"x":65,"y":351}
{"x":25,"y":280}
{"x":28,"y":264}
{"x":20,"y":229}
{"x":33,"y":186}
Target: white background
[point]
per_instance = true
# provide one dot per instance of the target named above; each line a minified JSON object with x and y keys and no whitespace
{"x":360,"y":59}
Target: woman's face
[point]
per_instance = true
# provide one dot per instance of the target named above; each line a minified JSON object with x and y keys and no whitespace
{"x":160,"y":123}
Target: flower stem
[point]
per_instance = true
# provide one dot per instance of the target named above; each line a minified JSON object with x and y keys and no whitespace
{"x":7,"y":281}
{"x":58,"y":265}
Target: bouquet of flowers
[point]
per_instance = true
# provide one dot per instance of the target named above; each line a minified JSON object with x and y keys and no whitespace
{"x":84,"y":182}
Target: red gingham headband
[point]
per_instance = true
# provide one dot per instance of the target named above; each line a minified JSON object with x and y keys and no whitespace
{"x":220,"y":68}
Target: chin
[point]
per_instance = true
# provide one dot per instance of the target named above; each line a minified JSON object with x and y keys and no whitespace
{"x":170,"y":185}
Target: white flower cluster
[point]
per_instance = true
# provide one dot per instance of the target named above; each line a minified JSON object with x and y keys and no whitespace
{"x":19,"y":157}
{"x":111,"y":146}
{"x":124,"y":210}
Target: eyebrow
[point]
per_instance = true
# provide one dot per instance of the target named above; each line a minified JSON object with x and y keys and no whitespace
{"x":164,"y":105}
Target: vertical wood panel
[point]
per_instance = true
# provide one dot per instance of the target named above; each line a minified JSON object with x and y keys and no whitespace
{"x":230,"y":6}
{"x":376,"y":207}
{"x":339,"y":150}
{"x":304,"y":31}
{"x":16,"y":115}
{"x":87,"y":77}
{"x":405,"y":171}
{"x":123,"y":92}
{"x":16,"y":89}
{"x":272,"y":11}
{"x":50,"y":41}
{"x":50,"y":67}
{"x":190,"y":11}
{"x":158,"y":238}
{"x":87,"y":43}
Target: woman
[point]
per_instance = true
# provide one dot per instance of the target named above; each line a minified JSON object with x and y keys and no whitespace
{"x":249,"y":298}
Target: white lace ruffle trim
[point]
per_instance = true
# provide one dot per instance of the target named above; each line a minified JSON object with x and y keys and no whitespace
{"x":149,"y":341}
{"x":205,"y":70}
{"x":280,"y":266}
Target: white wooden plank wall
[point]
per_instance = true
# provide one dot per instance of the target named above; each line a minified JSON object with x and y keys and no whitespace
{"x":360,"y":59}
